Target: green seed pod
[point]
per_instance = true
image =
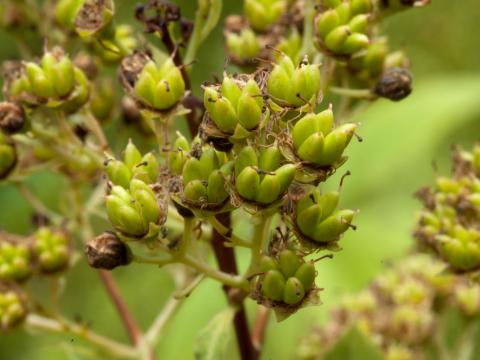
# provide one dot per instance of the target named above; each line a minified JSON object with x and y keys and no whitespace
{"x":326,"y":22}
{"x":285,"y":175}
{"x":269,"y":159}
{"x":335,"y":143}
{"x":131,"y":156}
{"x":244,"y":46}
{"x":216,"y":192}
{"x":65,"y":12}
{"x":328,"y":203}
{"x":63,"y":77}
{"x":102,"y":100}
{"x":248,"y":183}
{"x":311,"y":147}
{"x":94,"y":18}
{"x":308,"y":219}
{"x":8,"y":157}
{"x":179,"y":154}
{"x":192,"y":170}
{"x":292,"y":86}
{"x":288,"y":262}
{"x":273,"y":285}
{"x":118,"y":173}
{"x":293,"y":292}
{"x":333,"y":226}
{"x":360,"y":6}
{"x":12,"y":310}
{"x":268,"y":191}
{"x":261,"y":14}
{"x":246,"y":157}
{"x":335,"y":40}
{"x":160,"y":88}
{"x":344,"y":12}
{"x":249,"y":113}
{"x":359,"y":24}
{"x":306,"y":274}
{"x":460,"y":255}
{"x":195,"y":190}
{"x":230,"y":90}
{"x":267,"y":263}
{"x":51,"y":249}
{"x":40,"y":84}
{"x":354,"y":43}
{"x":147,"y":169}
{"x":14,"y":262}
{"x":224,"y":115}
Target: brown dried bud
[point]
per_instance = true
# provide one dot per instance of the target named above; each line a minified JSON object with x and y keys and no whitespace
{"x":130,"y":111}
{"x":12,"y":117}
{"x":107,"y":252}
{"x":395,"y":84}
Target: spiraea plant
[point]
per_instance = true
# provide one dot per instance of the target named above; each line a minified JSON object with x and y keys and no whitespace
{"x":263,"y":137}
{"x":414,"y":310}
{"x":449,"y":224}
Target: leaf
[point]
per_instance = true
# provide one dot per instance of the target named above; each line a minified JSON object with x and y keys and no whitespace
{"x":212,"y":341}
{"x":353,"y":346}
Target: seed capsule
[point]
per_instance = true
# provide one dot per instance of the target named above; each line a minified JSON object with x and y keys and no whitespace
{"x":306,"y":275}
{"x":288,"y":262}
{"x":273,"y":285}
{"x":106,"y":251}
{"x":293,"y":292}
{"x":12,"y":117}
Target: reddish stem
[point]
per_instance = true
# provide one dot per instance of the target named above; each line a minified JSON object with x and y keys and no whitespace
{"x":227,"y":263}
{"x":259,"y":330}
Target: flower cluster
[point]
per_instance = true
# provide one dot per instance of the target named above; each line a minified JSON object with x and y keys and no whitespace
{"x":449,"y":223}
{"x":400,"y":312}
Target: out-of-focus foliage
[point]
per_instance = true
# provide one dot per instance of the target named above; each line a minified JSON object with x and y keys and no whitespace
{"x":401,"y":142}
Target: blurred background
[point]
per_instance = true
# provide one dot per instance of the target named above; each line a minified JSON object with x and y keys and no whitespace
{"x":405,"y":145}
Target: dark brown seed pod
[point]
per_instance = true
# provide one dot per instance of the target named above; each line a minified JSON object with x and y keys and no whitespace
{"x":395,"y":84}
{"x":12,"y":117}
{"x":107,"y":252}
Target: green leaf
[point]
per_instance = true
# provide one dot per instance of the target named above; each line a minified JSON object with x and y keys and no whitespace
{"x":353,"y":346}
{"x":212,"y":341}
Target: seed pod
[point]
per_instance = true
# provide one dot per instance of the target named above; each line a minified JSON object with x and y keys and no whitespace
{"x":269,"y":159}
{"x":335,"y":40}
{"x":246,"y":157}
{"x":118,"y":173}
{"x":395,"y":84}
{"x":65,"y":12}
{"x":292,"y":86}
{"x":326,"y":22}
{"x":131,"y":156}
{"x":273,"y":285}
{"x":147,"y":169}
{"x":12,"y":309}
{"x":8,"y":156}
{"x":263,"y":14}
{"x":267,"y":263}
{"x":293,"y":292}
{"x":94,"y":18}
{"x":178,"y":156}
{"x":106,"y":251}
{"x":268,"y":191}
{"x":14,"y":262}
{"x":306,"y":274}
{"x":288,"y":262}
{"x":51,"y":249}
{"x":248,"y":183}
{"x":12,"y":117}
{"x":244,"y":46}
{"x":160,"y":88}
{"x":333,"y":226}
{"x":102,"y":100}
{"x":354,"y":43}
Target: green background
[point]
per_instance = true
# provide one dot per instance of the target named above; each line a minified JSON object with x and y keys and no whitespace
{"x":401,"y":142}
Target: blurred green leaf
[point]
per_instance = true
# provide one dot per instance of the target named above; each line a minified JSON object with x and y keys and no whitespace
{"x":212,"y":342}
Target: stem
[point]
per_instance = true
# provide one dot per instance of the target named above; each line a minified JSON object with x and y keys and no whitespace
{"x":307,"y":42}
{"x":97,"y":130}
{"x":206,"y":18}
{"x":131,"y":326}
{"x":260,"y":237}
{"x":153,"y":334}
{"x":37,"y":322}
{"x":227,"y":262}
{"x":261,"y":322}
{"x":228,"y":279}
{"x":224,"y":231}
{"x":355,"y":93}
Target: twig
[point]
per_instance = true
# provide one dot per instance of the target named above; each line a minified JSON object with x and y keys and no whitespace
{"x":227,"y":263}
{"x":34,"y":321}
{"x":260,"y":327}
{"x":153,"y":334}
{"x":131,"y":326}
